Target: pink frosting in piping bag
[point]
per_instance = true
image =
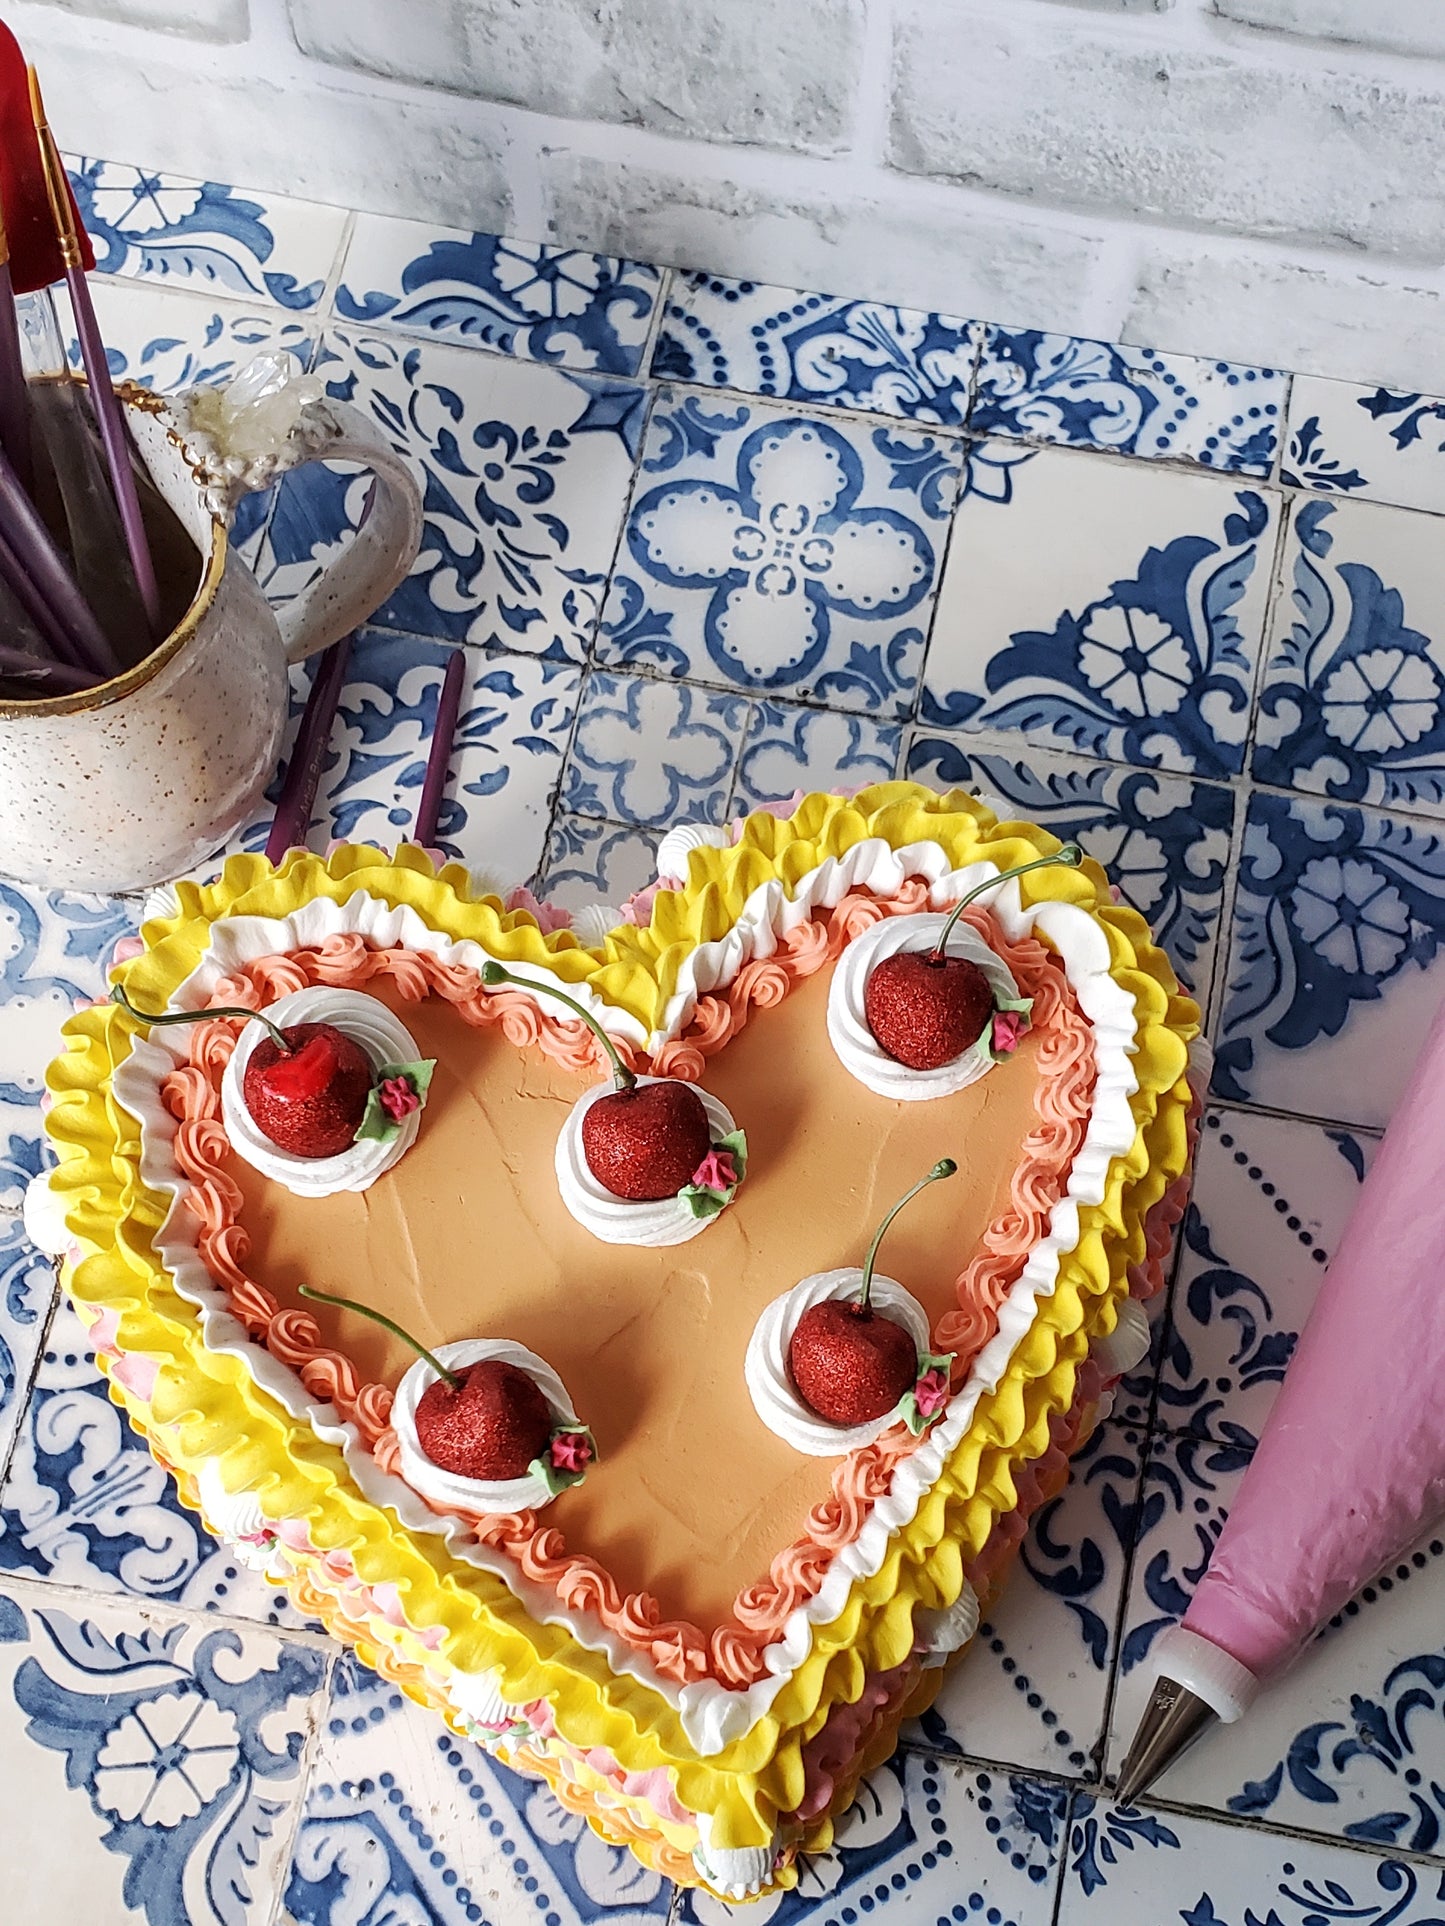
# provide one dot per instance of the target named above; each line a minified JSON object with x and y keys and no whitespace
{"x":1351,"y":1466}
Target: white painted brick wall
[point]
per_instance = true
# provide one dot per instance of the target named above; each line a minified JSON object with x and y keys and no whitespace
{"x":1260,"y":178}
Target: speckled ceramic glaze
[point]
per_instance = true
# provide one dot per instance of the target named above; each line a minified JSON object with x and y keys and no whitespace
{"x":136,"y":781}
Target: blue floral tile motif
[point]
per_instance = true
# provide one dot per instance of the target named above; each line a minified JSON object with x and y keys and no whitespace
{"x":788,"y":749}
{"x":84,"y":1503}
{"x":1101,"y":1834}
{"x":1271,"y":1199}
{"x":186,"y":1744}
{"x":27,"y":1290}
{"x":1338,"y":917}
{"x":780,"y":552}
{"x":525,"y":472}
{"x":198,"y":234}
{"x":652,"y":752}
{"x":1163,"y":839}
{"x":1379,"y":443}
{"x":1115,"y":610}
{"x":795,"y":346}
{"x":1034,"y":1687}
{"x":515,"y":718}
{"x":1133,"y":401}
{"x":516,"y":297}
{"x":1353,"y":702}
{"x":55,"y":946}
{"x":596,"y":862}
{"x":405,"y":1824}
{"x":172,"y":342}
{"x":1198,"y":1872}
{"x":927,"y":1841}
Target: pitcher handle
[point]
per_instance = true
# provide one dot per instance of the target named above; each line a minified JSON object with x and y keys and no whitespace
{"x":377,"y":559}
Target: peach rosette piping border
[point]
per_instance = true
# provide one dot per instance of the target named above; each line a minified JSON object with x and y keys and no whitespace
{"x":201,"y":1406}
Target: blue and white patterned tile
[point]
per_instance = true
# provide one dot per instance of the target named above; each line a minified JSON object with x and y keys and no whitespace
{"x":171,"y":341}
{"x":651,"y":752}
{"x":525,"y":472}
{"x":1272,"y":1196}
{"x":1110,"y":607}
{"x":55,"y":947}
{"x":405,"y":1824}
{"x":590,"y":862}
{"x":788,"y":749}
{"x":1163,"y":839}
{"x":1377,"y":443}
{"x":1352,"y":702}
{"x":27,"y":1291}
{"x":927,"y":1840}
{"x":771,"y":550}
{"x":512,"y":729}
{"x":85,"y":1504}
{"x":1033,"y":1688}
{"x":589,"y":311}
{"x":791,"y":345}
{"x":197,"y":234}
{"x":152,"y":1765}
{"x":1350,"y":1742}
{"x":1126,"y":1865}
{"x":1333,"y":960}
{"x":1130,"y":401}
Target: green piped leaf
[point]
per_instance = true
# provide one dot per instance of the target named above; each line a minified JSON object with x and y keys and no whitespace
{"x":706,"y":1200}
{"x":558,"y":1477}
{"x":909,"y":1409}
{"x":377,"y":1125}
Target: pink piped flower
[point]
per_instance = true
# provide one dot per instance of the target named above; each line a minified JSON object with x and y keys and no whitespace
{"x":126,"y":947}
{"x":930,"y":1393}
{"x":570,"y":1451}
{"x":398,"y":1098}
{"x":549,"y":917}
{"x":1008,"y":1027}
{"x":717,"y":1171}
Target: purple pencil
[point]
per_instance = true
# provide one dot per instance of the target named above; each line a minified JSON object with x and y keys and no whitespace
{"x":97,"y":369}
{"x":49,"y":629}
{"x":51,"y":678}
{"x":303,"y":777}
{"x":14,"y":409}
{"x":444,"y":731}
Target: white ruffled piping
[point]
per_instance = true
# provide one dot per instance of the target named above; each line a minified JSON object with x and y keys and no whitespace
{"x":712,"y":1715}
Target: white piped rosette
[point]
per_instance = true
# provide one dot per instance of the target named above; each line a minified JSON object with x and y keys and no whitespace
{"x":616,"y":1220}
{"x":383,"y":1037}
{"x":938,"y":1635}
{"x":860,"y":1052}
{"x":448,"y":1489}
{"x":770,"y":1382}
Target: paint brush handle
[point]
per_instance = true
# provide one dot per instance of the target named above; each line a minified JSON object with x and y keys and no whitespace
{"x":14,"y":411}
{"x":444,"y":731}
{"x":47,"y":625}
{"x":116,"y":443}
{"x":303,"y":776}
{"x":50,"y":678}
{"x":34,"y":549}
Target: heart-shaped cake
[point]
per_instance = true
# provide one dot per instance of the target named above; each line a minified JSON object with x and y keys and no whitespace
{"x":685,"y":1505}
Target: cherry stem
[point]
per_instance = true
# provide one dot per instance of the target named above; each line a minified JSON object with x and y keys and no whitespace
{"x":945,"y":1167}
{"x":1070,"y":856}
{"x":387,"y":1324}
{"x":493,"y":973}
{"x":119,"y":996}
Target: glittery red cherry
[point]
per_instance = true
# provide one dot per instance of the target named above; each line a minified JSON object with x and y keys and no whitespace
{"x":310,"y":1099}
{"x":491,"y":1427}
{"x":848,"y":1363}
{"x":925,"y":1013}
{"x":925,"y":1007}
{"x":646,"y":1142}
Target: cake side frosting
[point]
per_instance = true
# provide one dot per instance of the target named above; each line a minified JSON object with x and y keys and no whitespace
{"x":753,"y":1776}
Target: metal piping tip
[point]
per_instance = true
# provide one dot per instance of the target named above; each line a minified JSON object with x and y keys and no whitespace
{"x":1172,"y":1721}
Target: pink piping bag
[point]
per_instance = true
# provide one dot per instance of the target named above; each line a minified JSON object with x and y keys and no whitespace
{"x":1350,"y":1468}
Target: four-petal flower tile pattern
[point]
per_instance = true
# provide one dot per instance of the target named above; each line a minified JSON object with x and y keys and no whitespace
{"x":707,"y":544}
{"x":780,"y":551}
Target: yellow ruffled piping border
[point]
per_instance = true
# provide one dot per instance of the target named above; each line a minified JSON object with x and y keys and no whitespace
{"x":192,"y":1412}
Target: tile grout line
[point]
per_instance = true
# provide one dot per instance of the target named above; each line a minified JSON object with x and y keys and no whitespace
{"x":26,"y":1393}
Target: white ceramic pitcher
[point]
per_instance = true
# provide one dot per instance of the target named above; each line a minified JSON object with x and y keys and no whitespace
{"x":136,"y":781}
